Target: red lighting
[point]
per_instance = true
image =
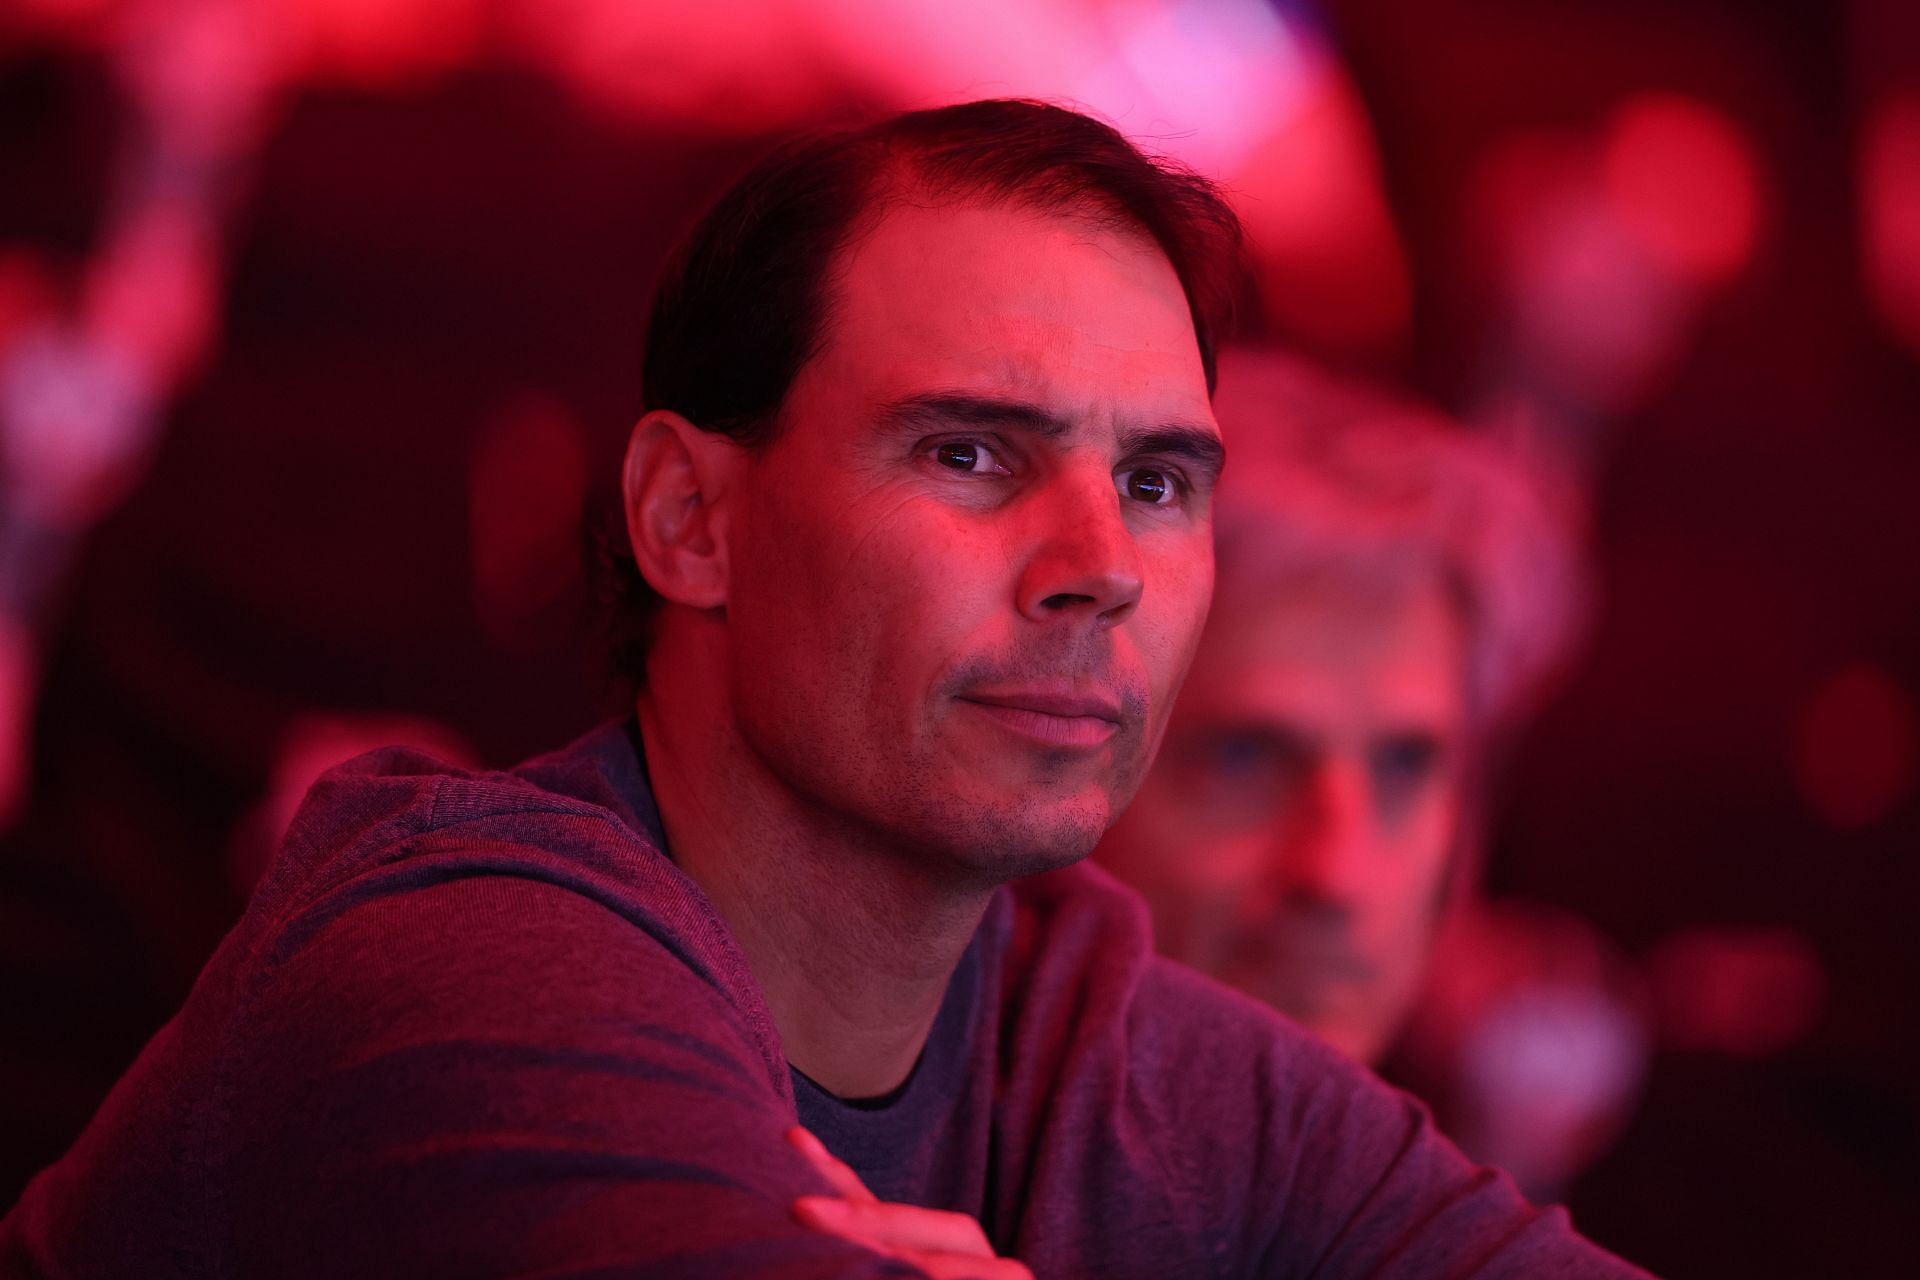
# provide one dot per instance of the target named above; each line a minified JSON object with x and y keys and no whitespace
{"x":1683,"y":180}
{"x":28,"y":291}
{"x":1329,"y":257}
{"x":381,"y":42}
{"x":526,"y":489}
{"x":1749,"y":992}
{"x":1599,"y":317}
{"x":1890,"y":209}
{"x":1855,"y":751}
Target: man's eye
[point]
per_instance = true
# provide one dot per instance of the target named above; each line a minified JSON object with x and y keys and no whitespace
{"x":1239,"y":777}
{"x":967,"y":455}
{"x":1410,"y":756}
{"x":1241,"y":756}
{"x":1402,"y":765}
{"x":1151,"y":485}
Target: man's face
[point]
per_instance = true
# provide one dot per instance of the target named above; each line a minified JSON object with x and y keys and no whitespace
{"x":969,"y":571}
{"x":1293,"y":836}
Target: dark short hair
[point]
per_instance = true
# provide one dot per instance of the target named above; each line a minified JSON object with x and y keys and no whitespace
{"x":742,"y":305}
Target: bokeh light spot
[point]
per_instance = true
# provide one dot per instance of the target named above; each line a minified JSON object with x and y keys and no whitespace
{"x":1855,"y":747}
{"x":1329,"y":259}
{"x":1890,"y":210}
{"x":1683,"y":180}
{"x":1747,"y":991}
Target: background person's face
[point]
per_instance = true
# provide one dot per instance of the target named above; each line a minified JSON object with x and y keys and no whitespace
{"x":1293,"y":836}
{"x":970,"y":570}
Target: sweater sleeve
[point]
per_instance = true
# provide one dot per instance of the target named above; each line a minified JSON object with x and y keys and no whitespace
{"x":1345,"y":1176}
{"x":492,"y":1075}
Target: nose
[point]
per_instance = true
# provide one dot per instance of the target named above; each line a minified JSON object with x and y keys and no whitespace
{"x":1324,"y":856}
{"x":1085,"y":561}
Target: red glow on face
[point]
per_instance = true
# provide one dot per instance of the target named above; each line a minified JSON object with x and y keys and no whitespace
{"x":1855,"y":749}
{"x":1683,"y":180}
{"x":892,"y":563}
{"x":1890,"y":208}
{"x":526,"y":490}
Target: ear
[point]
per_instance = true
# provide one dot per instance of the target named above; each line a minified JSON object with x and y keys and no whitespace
{"x":674,"y":487}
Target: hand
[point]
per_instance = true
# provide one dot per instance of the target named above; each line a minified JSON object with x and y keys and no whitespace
{"x":947,"y":1246}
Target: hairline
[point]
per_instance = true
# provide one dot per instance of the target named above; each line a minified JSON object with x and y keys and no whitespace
{"x":894,"y":185}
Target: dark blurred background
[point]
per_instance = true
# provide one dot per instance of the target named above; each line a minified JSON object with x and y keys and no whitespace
{"x":319,"y":335}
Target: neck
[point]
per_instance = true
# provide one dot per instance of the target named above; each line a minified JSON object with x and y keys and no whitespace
{"x":850,"y":938}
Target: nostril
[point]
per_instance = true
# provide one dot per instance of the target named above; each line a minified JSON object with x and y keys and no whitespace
{"x":1066,"y":600}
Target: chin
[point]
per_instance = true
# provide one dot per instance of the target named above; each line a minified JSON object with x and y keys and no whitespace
{"x":1008,"y":845}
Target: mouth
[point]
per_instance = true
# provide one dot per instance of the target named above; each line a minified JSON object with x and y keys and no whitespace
{"x":1054,"y":718}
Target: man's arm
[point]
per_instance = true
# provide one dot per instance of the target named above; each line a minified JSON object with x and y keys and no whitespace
{"x":1342,"y":1175}
{"x":947,"y":1246}
{"x":497,"y":1076}
{"x":1385,"y":1194}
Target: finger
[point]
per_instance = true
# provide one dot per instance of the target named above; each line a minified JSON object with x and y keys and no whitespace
{"x":838,"y":1173}
{"x":896,"y":1226}
{"x":953,"y":1266}
{"x":828,"y":1215}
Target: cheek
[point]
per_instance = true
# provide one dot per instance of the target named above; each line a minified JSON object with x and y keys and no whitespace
{"x":874,"y":591}
{"x":1172,"y":613}
{"x":800,"y":617}
{"x":1432,"y":835}
{"x":927,"y":587}
{"x":1411,"y":885}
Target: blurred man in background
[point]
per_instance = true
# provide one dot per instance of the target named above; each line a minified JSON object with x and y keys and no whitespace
{"x":1393,"y":596}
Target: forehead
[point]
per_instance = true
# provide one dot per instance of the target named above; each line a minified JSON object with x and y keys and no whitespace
{"x":1060,"y":307}
{"x":1334,"y":651}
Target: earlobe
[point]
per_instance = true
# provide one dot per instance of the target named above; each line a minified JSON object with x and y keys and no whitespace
{"x":674,"y":486}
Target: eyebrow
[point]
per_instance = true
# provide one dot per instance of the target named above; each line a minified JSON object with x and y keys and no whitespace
{"x":931,"y":410}
{"x":1196,"y":445}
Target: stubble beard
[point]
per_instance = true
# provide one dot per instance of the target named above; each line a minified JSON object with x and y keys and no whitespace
{"x":952,"y":821}
{"x":908,"y":791}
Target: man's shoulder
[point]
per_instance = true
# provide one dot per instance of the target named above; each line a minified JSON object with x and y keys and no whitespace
{"x":1156,"y":1094}
{"x":1080,"y":920}
{"x":1079,"y":958}
{"x":563,"y":851}
{"x":399,"y":804}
